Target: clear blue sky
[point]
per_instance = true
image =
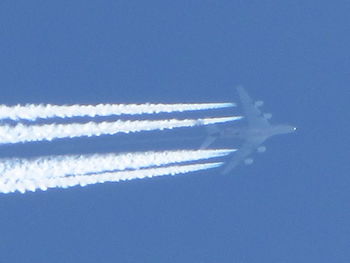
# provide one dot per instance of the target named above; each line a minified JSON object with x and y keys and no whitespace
{"x":291,"y":206}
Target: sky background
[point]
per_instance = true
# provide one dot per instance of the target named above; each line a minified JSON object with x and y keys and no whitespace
{"x":291,"y":205}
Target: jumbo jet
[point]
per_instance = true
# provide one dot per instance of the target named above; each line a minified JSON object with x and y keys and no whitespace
{"x":257,"y":131}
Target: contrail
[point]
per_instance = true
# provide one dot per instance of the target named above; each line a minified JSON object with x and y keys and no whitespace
{"x":83,"y":180}
{"x":48,"y":132}
{"x":32,"y":111}
{"x":13,"y":170}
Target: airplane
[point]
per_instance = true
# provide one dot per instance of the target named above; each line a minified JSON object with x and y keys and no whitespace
{"x":253,"y":135}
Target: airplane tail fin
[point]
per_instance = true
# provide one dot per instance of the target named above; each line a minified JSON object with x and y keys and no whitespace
{"x":213,"y":133}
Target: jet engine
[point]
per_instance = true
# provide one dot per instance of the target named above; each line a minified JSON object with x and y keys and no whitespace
{"x":258,"y":103}
{"x":261,"y":149}
{"x":248,"y":161}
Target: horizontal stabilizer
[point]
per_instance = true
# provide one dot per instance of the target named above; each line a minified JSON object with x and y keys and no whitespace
{"x":213,"y":133}
{"x":267,"y":116}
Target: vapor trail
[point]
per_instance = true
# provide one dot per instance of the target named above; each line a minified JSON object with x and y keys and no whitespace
{"x":83,"y":180}
{"x":48,"y":132}
{"x":14,"y":170}
{"x":33,"y":111}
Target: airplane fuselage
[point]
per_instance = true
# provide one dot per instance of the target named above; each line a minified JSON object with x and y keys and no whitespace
{"x":256,"y":133}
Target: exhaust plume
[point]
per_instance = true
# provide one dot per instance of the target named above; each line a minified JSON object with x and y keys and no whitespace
{"x":65,"y":171}
{"x":13,"y":170}
{"x":32,"y":111}
{"x":84,"y":180}
{"x":48,"y":132}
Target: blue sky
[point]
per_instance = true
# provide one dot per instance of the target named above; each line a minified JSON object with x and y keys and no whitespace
{"x":290,"y":206}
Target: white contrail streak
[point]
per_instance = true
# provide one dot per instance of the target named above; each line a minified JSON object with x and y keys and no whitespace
{"x":32,"y":111}
{"x":48,"y":132}
{"x":83,"y":180}
{"x":13,"y":170}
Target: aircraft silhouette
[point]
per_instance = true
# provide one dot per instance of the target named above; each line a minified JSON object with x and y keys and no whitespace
{"x":253,"y":135}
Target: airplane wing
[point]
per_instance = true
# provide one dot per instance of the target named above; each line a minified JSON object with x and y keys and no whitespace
{"x":251,"y":112}
{"x":243,"y":152}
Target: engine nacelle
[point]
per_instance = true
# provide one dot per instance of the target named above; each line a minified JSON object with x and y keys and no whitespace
{"x":248,"y":161}
{"x":261,"y":149}
{"x":259,"y":103}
